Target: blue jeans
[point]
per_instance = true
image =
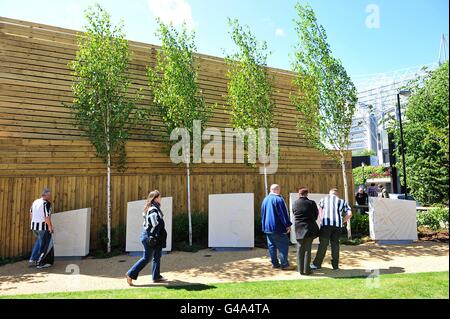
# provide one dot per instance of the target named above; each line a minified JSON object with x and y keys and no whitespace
{"x":36,"y":252}
{"x":276,"y":241}
{"x":149,"y":254}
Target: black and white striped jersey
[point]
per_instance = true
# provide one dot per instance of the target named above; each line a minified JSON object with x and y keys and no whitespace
{"x":40,"y":209}
{"x":333,"y":210}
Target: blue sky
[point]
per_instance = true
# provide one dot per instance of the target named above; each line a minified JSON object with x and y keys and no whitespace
{"x":406,"y":34}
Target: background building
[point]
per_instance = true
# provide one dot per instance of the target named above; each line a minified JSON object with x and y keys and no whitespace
{"x":377,"y":105}
{"x":363,"y":134}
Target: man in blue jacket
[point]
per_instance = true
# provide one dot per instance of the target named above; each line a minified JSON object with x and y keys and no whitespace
{"x":276,"y":225}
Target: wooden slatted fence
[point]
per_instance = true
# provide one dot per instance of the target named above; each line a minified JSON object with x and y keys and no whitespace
{"x":40,"y":145}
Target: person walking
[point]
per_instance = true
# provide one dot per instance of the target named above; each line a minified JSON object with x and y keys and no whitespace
{"x":42,"y":227}
{"x":306,"y":229}
{"x":153,"y":238}
{"x":334,"y":212}
{"x":276,"y":225}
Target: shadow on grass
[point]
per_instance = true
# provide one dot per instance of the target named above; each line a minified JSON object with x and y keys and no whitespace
{"x":195,"y":287}
{"x":356,"y":272}
{"x":178,"y":285}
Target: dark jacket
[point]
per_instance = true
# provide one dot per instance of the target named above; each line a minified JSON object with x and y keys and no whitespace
{"x":155,"y":226}
{"x":362,"y":198}
{"x":274,"y":215}
{"x":305,"y":213}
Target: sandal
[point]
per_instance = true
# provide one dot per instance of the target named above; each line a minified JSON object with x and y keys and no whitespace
{"x":129,"y":281}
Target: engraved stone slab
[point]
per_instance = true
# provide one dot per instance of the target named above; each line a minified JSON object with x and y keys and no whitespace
{"x":72,"y":233}
{"x":392,"y":219}
{"x":231,"y":220}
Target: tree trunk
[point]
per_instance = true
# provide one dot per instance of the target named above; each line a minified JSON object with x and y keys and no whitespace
{"x":344,"y":176}
{"x":266,"y":189}
{"x":108,"y":205}
{"x":189,"y":202}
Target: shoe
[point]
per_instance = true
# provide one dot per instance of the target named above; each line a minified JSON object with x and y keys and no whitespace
{"x":337,"y":268}
{"x":160,"y":279}
{"x":288,"y":268}
{"x":32,"y":263}
{"x":43,"y":266}
{"x":314,"y":267}
{"x":276,"y":266}
{"x":129,"y":281}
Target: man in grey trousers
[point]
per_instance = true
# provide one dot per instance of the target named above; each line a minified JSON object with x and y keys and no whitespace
{"x":306,"y":229}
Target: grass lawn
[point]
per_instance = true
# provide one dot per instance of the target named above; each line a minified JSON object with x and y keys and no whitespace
{"x":420,"y":285}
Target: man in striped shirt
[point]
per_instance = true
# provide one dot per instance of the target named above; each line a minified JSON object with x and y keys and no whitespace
{"x":41,"y":223}
{"x":334,"y":213}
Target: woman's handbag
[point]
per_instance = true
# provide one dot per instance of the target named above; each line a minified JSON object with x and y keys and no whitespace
{"x":159,"y":241}
{"x":152,"y":241}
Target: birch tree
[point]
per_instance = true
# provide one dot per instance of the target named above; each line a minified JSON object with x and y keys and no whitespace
{"x":101,"y":104}
{"x":249,"y":85}
{"x":326,"y":97}
{"x":176,"y":95}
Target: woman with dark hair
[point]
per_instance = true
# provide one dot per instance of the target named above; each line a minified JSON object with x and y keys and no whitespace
{"x":153,"y":239}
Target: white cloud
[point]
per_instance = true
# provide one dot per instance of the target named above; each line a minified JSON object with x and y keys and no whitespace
{"x":279,"y":32}
{"x":175,"y":11}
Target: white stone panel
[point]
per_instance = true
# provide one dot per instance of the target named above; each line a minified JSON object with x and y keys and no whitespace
{"x":231,"y":220}
{"x":72,"y":233}
{"x":392,"y":219}
{"x":135,"y":224}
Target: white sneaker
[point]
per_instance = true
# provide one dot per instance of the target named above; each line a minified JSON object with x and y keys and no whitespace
{"x":43,"y":266}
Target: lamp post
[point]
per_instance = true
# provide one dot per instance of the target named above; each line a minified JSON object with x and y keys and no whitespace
{"x":402,"y":143}
{"x":364,"y":177}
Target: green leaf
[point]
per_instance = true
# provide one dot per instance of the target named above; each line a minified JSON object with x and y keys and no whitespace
{"x":101,"y":105}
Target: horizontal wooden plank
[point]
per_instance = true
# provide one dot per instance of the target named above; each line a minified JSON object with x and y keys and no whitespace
{"x":137,"y":46}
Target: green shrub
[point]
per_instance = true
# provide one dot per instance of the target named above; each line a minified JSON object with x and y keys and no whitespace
{"x":180,"y":231}
{"x":184,"y":246}
{"x":354,"y":241}
{"x":11,"y":260}
{"x":436,"y":218}
{"x":260,"y":238}
{"x":360,"y":225}
{"x":118,"y":237}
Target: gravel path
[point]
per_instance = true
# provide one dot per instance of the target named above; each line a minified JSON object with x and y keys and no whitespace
{"x":208,"y":266}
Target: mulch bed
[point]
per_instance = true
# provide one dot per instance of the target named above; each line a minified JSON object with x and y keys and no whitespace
{"x":426,"y":234}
